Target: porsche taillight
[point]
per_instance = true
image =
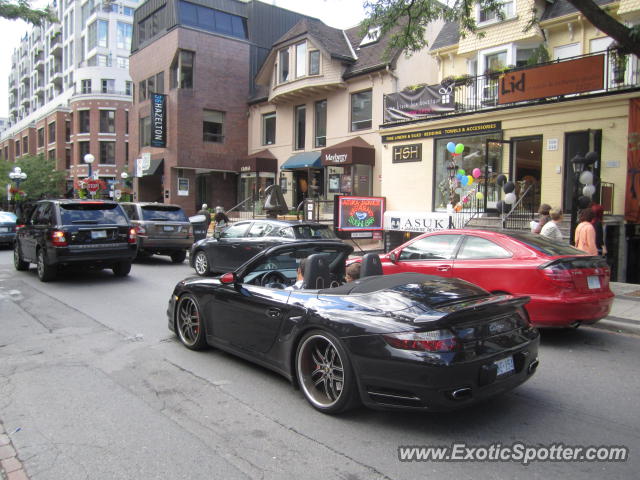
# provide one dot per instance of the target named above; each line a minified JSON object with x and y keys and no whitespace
{"x":133,"y":236}
{"x":58,"y":238}
{"x":432,"y":341}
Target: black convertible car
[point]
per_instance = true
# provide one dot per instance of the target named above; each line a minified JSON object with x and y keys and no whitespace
{"x":406,"y":340}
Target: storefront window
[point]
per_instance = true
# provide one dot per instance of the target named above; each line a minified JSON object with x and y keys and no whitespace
{"x":472,"y":157}
{"x":252,"y":185}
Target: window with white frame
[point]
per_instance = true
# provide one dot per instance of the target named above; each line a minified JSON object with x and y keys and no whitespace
{"x":284,"y":66}
{"x":487,"y":16}
{"x":361,"y":110}
{"x":301,"y":59}
{"x":269,"y":128}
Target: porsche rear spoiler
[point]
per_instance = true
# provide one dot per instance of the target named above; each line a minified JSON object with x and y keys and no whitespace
{"x":468,"y":310}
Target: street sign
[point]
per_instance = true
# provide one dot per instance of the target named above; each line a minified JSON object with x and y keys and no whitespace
{"x":92,"y":185}
{"x":118,"y":194}
{"x":146,"y":160}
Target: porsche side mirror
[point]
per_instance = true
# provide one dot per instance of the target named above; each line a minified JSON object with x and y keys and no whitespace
{"x":228,"y":278}
{"x":393,"y":256}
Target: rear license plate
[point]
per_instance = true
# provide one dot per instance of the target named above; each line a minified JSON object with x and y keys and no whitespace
{"x":95,"y":234}
{"x":169,"y":228}
{"x":593,"y":281}
{"x":4,"y":229}
{"x":505,"y":366}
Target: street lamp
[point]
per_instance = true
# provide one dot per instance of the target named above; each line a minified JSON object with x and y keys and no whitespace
{"x":17,"y":175}
{"x":89,"y":159}
{"x":583,"y":176}
{"x":123,"y":176}
{"x":452,"y":168}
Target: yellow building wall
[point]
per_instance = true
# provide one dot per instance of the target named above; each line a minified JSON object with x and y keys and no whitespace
{"x":408,"y":186}
{"x":628,"y":6}
{"x":507,"y":31}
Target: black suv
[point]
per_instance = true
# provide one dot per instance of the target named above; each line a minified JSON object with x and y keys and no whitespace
{"x":58,"y":233}
{"x":162,"y":229}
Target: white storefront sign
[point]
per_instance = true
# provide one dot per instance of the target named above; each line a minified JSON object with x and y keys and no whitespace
{"x":402,"y":221}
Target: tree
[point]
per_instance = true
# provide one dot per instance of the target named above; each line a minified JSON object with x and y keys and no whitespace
{"x":21,"y":9}
{"x":406,"y":20}
{"x":43,"y":180}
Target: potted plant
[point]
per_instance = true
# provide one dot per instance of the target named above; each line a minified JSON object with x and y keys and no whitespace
{"x":618,"y":60}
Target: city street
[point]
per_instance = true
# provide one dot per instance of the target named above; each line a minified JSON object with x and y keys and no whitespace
{"x":93,"y":385}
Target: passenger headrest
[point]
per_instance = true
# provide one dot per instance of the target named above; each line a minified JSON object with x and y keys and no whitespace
{"x":371,"y":265}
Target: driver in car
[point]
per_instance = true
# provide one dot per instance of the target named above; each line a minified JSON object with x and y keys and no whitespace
{"x":300,"y":276}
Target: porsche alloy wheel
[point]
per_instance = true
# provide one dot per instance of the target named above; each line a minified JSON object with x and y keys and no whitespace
{"x":201,"y":264}
{"x":189,"y":324}
{"x":324,"y":373}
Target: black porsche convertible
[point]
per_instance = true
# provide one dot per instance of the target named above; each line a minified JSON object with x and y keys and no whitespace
{"x":407,"y":340}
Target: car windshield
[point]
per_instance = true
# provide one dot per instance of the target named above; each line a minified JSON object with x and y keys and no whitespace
{"x":7,"y":217}
{"x":545,"y":245}
{"x":92,"y":213}
{"x":310,"y":232}
{"x":162,"y":214}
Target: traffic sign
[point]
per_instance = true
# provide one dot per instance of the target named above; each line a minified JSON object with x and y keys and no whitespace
{"x":92,"y":185}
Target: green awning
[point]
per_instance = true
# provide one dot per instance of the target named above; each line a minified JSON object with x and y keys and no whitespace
{"x":303,"y":160}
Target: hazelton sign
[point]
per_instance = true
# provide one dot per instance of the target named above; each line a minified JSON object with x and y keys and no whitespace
{"x":159,"y":120}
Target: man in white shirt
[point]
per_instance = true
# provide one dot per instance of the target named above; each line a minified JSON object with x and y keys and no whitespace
{"x":550,"y":229}
{"x":300,"y":276}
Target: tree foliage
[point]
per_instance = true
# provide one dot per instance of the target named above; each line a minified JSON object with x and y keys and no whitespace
{"x":406,"y":20}
{"x":21,"y":10}
{"x":43,"y":180}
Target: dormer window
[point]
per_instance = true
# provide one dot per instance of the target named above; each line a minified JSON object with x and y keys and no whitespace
{"x":486,"y":16}
{"x":372,"y":36}
{"x":314,"y":62}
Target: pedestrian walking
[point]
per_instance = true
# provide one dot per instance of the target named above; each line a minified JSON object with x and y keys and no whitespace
{"x":550,"y":229}
{"x":543,"y":218}
{"x":207,"y":215}
{"x":585,"y":236}
{"x":220,"y":220}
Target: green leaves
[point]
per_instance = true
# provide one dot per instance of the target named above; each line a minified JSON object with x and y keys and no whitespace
{"x":21,"y":9}
{"x":43,"y":180}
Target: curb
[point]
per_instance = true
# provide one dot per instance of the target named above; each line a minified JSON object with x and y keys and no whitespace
{"x":617,"y":324}
{"x":11,"y":467}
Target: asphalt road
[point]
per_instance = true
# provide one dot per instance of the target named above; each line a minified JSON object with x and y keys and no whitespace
{"x":100,"y":389}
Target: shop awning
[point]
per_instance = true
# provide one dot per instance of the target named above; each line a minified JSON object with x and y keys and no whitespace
{"x":262,"y":161}
{"x":156,"y":167}
{"x":302,"y":160}
{"x":353,"y":151}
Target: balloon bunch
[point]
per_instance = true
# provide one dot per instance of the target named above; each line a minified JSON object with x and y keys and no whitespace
{"x":586,"y":179}
{"x":455,"y":149}
{"x":509,"y":189}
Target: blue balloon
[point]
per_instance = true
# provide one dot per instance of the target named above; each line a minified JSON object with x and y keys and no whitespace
{"x":451,"y":147}
{"x":464,"y":180}
{"x":459,"y":176}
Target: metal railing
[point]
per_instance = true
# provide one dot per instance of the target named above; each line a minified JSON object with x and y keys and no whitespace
{"x":522,"y":212}
{"x":478,"y":93}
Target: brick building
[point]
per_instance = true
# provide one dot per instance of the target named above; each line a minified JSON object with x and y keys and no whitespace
{"x":203,"y":56}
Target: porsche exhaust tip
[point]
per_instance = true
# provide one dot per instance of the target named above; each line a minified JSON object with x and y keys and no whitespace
{"x":461,"y":393}
{"x":533,"y":366}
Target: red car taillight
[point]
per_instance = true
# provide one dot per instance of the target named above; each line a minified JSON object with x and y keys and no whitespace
{"x":140,"y":230}
{"x":133,"y":236}
{"x":58,"y":238}
{"x":434,"y":341}
{"x":558,"y":275}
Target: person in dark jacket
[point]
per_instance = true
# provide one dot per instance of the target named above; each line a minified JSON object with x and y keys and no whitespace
{"x":543,"y":217}
{"x":598,"y":224}
{"x":207,"y":215}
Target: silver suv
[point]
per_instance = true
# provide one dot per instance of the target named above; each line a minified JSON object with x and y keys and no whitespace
{"x":162,"y":229}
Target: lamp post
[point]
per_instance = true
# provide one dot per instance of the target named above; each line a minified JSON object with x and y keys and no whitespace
{"x":89,"y":159}
{"x":17,"y":175}
{"x":124,"y":176}
{"x":583,"y":176}
{"x":452,"y":168}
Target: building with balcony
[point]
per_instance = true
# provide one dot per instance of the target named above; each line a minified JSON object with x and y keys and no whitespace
{"x":523,"y":104}
{"x":320,"y":106}
{"x":70,"y":89}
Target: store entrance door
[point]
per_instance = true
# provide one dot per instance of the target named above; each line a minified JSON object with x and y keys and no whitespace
{"x":527,"y":167}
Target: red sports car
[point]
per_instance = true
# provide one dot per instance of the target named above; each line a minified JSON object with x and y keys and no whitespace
{"x":567,"y":287}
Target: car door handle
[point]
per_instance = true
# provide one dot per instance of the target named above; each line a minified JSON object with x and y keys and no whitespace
{"x":273,"y":312}
{"x":443,"y":268}
{"x":260,"y":246}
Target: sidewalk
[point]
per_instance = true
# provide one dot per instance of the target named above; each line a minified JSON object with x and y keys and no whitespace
{"x":625,"y":312}
{"x":10,"y":466}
